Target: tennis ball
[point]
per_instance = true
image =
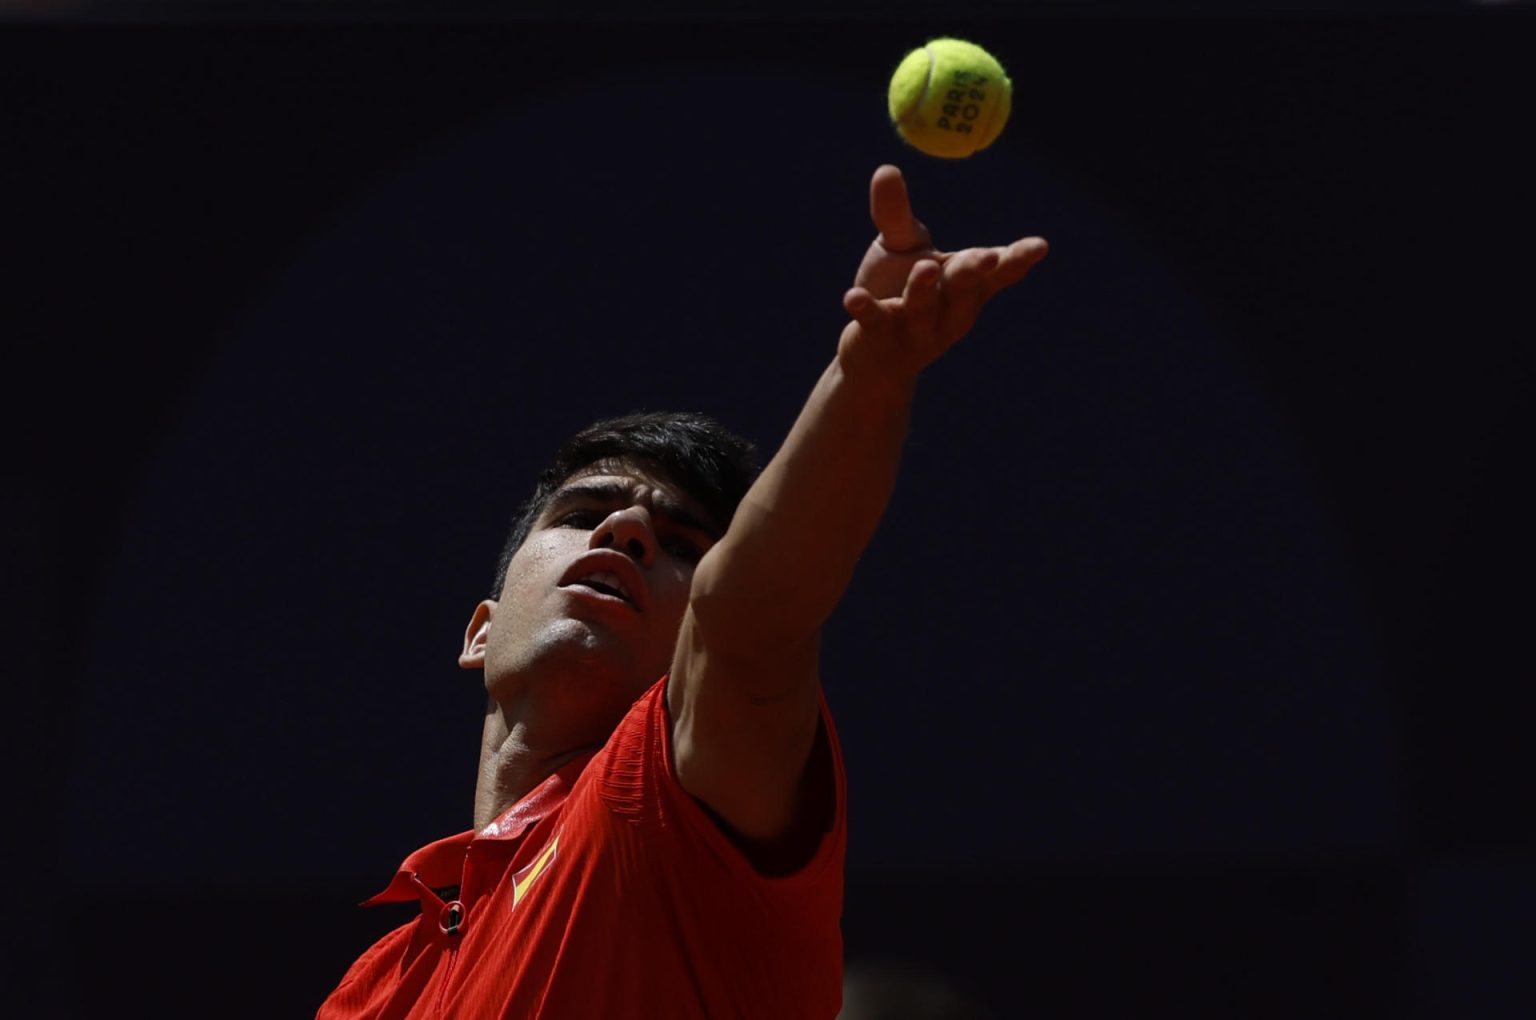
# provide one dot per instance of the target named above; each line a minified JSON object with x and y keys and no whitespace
{"x":950,"y":98}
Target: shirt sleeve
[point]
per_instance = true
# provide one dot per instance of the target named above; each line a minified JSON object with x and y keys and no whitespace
{"x":638,"y":781}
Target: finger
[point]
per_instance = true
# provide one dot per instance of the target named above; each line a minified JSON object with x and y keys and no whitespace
{"x":1014,"y":262}
{"x":866,"y":310}
{"x":964,"y":277}
{"x":967,"y":269}
{"x":922,"y":290}
{"x":891,"y":210}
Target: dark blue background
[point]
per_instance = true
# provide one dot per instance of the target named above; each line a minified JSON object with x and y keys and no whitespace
{"x":1189,"y":672}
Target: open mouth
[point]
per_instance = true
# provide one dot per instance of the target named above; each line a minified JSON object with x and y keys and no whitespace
{"x":608,"y":574}
{"x":606,"y":583}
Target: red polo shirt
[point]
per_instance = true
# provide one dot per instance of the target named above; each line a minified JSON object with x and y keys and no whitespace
{"x":607,"y":892}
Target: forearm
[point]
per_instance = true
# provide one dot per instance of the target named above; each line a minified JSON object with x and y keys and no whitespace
{"x":792,"y":547}
{"x":769,"y":584}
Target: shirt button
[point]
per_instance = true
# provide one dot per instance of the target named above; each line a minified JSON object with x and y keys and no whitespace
{"x":451,"y":918}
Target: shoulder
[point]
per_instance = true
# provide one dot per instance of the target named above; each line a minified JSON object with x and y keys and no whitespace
{"x":635,"y":778}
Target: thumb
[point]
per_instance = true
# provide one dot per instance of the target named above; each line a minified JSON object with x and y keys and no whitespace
{"x":891,"y":210}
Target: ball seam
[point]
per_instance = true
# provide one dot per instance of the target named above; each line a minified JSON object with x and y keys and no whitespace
{"x":927,"y":87}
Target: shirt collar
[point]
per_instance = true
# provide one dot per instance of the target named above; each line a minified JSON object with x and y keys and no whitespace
{"x":441,"y":863}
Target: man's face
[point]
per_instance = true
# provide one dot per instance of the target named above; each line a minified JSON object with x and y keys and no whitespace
{"x":592,"y":600}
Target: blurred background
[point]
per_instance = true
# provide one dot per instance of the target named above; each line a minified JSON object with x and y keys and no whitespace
{"x":1189,"y":674}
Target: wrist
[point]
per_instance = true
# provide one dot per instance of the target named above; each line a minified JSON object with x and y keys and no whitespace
{"x":873,"y":377}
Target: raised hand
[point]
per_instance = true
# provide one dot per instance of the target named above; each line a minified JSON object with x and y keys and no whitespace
{"x":911,"y":302}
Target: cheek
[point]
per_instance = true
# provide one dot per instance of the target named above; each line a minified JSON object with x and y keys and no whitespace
{"x":532,"y":570}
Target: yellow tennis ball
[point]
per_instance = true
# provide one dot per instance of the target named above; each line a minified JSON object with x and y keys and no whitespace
{"x":950,"y":98}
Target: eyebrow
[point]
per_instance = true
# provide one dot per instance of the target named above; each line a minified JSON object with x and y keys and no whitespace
{"x":615,"y":492}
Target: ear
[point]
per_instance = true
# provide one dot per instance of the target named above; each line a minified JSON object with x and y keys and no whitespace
{"x":476,"y":635}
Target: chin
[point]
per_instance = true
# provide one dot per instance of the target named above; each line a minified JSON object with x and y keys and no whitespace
{"x":575,"y":655}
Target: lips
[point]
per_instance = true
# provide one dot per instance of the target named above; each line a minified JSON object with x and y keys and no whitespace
{"x":608,"y":573}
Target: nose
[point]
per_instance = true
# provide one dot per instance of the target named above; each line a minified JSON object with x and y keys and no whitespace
{"x":629,"y":531}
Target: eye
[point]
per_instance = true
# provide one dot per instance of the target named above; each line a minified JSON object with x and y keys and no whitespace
{"x":587,"y":519}
{"x":684,"y":549}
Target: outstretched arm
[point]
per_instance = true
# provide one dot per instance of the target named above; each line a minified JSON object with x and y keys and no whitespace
{"x":744,"y":688}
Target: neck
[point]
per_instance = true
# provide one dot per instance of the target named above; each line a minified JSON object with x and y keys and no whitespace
{"x":511,"y":765}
